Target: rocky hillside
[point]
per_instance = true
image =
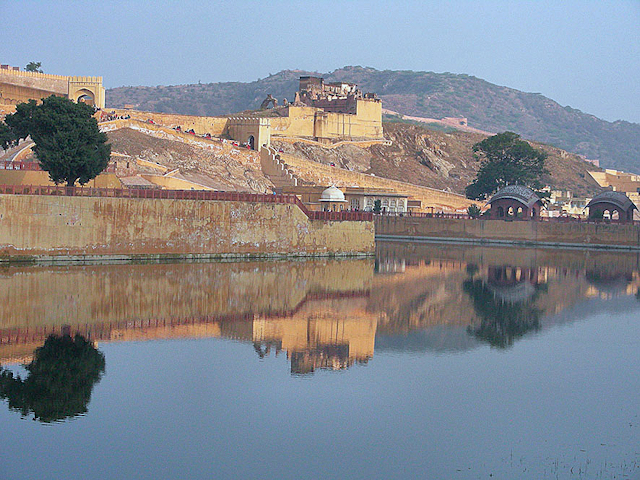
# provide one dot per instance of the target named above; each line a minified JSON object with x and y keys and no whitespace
{"x":223,"y":168}
{"x":423,"y":94}
{"x":436,"y":159}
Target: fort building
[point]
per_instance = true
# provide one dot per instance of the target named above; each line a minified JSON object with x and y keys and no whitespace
{"x":18,"y":86}
{"x":323,"y":112}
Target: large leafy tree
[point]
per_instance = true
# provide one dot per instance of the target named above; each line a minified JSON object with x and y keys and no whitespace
{"x":7,"y":138}
{"x":506,"y":160}
{"x":69,"y":144}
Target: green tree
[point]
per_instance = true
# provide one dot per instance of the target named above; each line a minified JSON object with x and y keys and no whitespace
{"x":7,"y":138}
{"x":68,"y":143}
{"x":474,"y":211}
{"x":33,"y":67}
{"x":506,"y":160}
{"x":377,"y":206}
{"x":60,"y":380}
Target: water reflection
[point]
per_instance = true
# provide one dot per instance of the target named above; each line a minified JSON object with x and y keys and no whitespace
{"x":60,"y":379}
{"x":320,"y":314}
{"x":505,"y":304}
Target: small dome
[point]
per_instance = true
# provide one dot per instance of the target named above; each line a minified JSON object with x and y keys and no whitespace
{"x":619,"y":199}
{"x":520,"y":193}
{"x":332,"y":194}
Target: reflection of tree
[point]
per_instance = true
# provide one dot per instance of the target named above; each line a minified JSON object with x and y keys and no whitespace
{"x":61,"y":378}
{"x":501,"y":322}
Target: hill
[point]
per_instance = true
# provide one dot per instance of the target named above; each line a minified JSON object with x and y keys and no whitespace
{"x":487,"y":106}
{"x":435,"y":159}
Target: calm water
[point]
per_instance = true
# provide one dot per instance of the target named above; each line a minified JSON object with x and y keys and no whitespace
{"x":430,"y":361}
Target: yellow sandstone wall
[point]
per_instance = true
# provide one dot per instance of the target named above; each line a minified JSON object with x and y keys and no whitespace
{"x":216,"y":126}
{"x":61,"y":225}
{"x":520,"y":231}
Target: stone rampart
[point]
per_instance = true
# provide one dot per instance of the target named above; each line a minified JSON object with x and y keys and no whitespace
{"x":216,"y":126}
{"x":548,"y":233}
{"x":72,"y":226}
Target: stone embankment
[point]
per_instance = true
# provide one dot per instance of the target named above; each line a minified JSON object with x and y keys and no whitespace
{"x":545,"y":233}
{"x":47,"y":227}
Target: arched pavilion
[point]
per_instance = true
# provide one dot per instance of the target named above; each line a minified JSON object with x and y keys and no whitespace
{"x":515,"y":202}
{"x":615,"y":206}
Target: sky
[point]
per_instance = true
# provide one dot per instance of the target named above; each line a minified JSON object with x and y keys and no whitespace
{"x":581,"y":53}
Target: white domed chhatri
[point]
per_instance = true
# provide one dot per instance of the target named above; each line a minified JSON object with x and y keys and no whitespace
{"x":332,"y":194}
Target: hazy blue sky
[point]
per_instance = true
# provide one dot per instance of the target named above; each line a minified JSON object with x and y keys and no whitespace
{"x":585,"y":54}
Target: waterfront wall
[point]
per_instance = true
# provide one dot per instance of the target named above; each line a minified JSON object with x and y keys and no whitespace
{"x":41,"y":225}
{"x":515,"y":232}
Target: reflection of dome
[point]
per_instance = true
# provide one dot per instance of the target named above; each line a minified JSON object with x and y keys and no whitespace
{"x":514,"y":293}
{"x":610,"y":283}
{"x":332,"y":194}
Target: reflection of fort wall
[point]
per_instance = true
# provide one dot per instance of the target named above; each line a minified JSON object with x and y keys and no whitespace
{"x":35,"y":297}
{"x":413,"y":252}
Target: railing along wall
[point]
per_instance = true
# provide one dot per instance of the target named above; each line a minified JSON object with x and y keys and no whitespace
{"x":35,"y":166}
{"x":158,"y":194}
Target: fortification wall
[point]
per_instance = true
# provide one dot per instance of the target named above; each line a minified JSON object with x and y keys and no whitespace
{"x":516,"y":232}
{"x":20,"y":84}
{"x":216,"y":126}
{"x":78,"y":226}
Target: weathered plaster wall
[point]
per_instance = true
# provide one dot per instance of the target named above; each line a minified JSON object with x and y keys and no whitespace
{"x":517,"y":231}
{"x":61,"y":225}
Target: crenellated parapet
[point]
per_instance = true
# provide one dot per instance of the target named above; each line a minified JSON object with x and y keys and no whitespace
{"x":18,"y":86}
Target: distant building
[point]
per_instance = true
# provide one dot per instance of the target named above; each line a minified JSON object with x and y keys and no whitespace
{"x":349,"y":198}
{"x":618,"y":181}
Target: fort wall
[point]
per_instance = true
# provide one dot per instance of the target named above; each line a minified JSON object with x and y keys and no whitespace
{"x":37,"y":225}
{"x":216,"y":126}
{"x":516,"y":232}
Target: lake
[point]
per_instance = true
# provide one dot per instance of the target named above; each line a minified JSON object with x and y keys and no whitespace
{"x":427,"y":361}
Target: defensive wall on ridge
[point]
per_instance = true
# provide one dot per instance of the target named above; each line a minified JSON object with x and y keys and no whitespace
{"x":47,"y":225}
{"x":17,"y":86}
{"x":550,"y":233}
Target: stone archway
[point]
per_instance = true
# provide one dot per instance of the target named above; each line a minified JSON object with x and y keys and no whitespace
{"x":88,"y":90}
{"x":85,"y":96}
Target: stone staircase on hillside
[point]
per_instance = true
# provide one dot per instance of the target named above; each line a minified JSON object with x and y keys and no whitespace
{"x":275,"y":169}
